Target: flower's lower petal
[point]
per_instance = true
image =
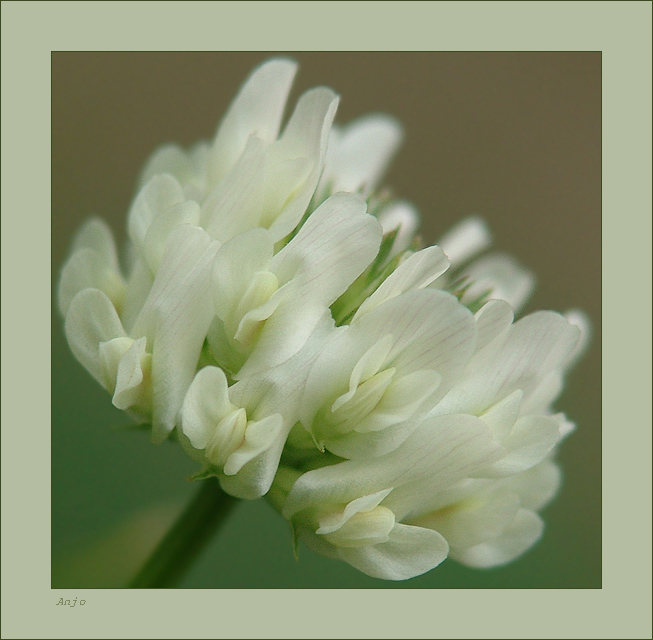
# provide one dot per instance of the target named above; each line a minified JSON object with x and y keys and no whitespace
{"x":409,"y":552}
{"x":91,"y":320}
{"x":501,"y":417}
{"x":524,"y":531}
{"x":133,"y":385}
{"x":205,"y":404}
{"x":335,"y":520}
{"x":250,"y":470}
{"x":431,"y":331}
{"x":473,"y":521}
{"x":537,"y":486}
{"x":438,"y":453}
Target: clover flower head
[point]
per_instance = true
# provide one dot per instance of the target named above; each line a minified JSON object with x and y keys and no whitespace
{"x":278,"y":316}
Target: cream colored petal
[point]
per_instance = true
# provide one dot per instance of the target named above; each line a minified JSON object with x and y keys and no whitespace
{"x":305,"y":137}
{"x":96,"y":234}
{"x":525,"y":530}
{"x":417,"y":272}
{"x":89,"y":269}
{"x":257,"y":110}
{"x":360,"y":154}
{"x":409,"y":552}
{"x":465,"y":240}
{"x":90,"y":321}
{"x":438,"y":453}
{"x":250,"y":470}
{"x":205,"y":404}
{"x":502,"y":277}
{"x":176,"y":318}
{"x":334,"y":246}
{"x":160,"y":194}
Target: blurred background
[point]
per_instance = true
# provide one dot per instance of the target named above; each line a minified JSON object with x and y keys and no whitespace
{"x":512,"y":137}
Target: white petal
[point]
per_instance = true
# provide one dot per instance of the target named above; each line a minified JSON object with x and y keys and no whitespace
{"x":430,"y":331}
{"x":132,"y":380}
{"x":170,"y":159}
{"x":335,"y":245}
{"x":518,"y":537}
{"x":256,"y":110}
{"x":493,"y":321}
{"x":91,"y":320}
{"x":528,"y":443}
{"x":363,"y":529}
{"x":537,"y":486}
{"x":579,"y":319}
{"x":236,"y":264}
{"x":154,"y":243}
{"x":254,"y":465}
{"x":96,"y":235}
{"x":111,"y":353}
{"x":306,"y":137}
{"x":205,"y":404}
{"x":464,"y":445}
{"x":176,"y":318}
{"x":158,"y":195}
{"x":474,"y":521}
{"x":501,"y":417}
{"x":361,"y":154}
{"x":409,"y":552}
{"x":465,"y":240}
{"x":439,"y":452}
{"x":333,"y":521}
{"x":543,"y":396}
{"x":235,"y":204}
{"x":503,"y":277}
{"x":417,"y":272}
{"x":365,"y":368}
{"x":534,"y":346}
{"x":88,"y":269}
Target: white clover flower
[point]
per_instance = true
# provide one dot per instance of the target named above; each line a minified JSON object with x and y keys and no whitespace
{"x":278,"y":316}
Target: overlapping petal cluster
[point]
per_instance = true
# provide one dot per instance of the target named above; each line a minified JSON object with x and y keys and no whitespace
{"x":277,"y":316}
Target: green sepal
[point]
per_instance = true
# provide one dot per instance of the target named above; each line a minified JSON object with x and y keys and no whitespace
{"x":294,"y":541}
{"x":207,"y":471}
{"x":387,"y":242}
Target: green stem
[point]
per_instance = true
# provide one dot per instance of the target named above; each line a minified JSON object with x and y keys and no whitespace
{"x":188,"y":536}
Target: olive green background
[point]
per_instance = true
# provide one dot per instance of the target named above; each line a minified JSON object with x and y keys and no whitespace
{"x":514,"y":137}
